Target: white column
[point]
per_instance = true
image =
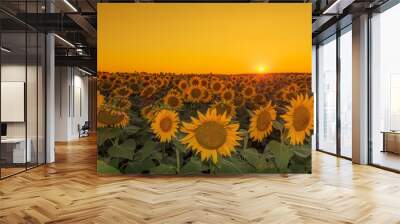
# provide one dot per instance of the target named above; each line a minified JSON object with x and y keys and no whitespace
{"x":360,"y":90}
{"x":50,"y":99}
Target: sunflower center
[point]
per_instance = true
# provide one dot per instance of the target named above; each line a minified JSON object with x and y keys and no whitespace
{"x":211,"y":135}
{"x":173,"y":101}
{"x":264,"y":120}
{"x":228,"y":96}
{"x":217,"y":86}
{"x":301,"y":118}
{"x":196,"y":93}
{"x":248,"y":91}
{"x":166,"y":124}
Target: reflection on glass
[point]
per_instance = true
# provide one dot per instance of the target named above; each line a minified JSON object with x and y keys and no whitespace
{"x":14,"y":153}
{"x":346,"y":94}
{"x":327,"y":96}
{"x":386,"y":89}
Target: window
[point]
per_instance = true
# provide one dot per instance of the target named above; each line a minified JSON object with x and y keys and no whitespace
{"x":385,"y":89}
{"x":327,"y":96}
{"x":346,"y":93}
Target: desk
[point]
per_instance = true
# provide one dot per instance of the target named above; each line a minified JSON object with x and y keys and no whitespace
{"x":391,"y":141}
{"x":16,"y":147}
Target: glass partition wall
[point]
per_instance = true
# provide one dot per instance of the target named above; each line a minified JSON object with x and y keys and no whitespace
{"x":385,"y":88}
{"x":22,"y":98}
{"x":334,"y":94}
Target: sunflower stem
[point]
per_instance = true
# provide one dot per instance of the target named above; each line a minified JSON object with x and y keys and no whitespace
{"x":163,"y":150}
{"x":178,"y":161}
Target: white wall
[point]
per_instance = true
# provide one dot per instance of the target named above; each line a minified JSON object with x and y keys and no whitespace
{"x":71,"y":94}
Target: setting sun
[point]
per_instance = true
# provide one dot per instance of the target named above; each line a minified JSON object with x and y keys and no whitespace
{"x":261,"y":69}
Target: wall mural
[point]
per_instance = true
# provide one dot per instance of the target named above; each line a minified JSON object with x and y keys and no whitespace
{"x":208,"y":121}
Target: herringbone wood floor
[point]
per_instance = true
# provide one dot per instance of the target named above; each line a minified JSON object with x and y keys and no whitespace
{"x":70,"y":191}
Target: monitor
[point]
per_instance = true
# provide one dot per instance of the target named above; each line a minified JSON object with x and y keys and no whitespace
{"x":3,"y":129}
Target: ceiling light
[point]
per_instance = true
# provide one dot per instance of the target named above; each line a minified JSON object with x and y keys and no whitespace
{"x":84,"y":71}
{"x":70,"y":5}
{"x":5,"y":50}
{"x":64,"y":40}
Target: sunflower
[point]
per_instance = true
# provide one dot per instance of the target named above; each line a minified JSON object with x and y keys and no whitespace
{"x":195,"y":81}
{"x":107,"y":117}
{"x":105,"y":86}
{"x":173,"y":100}
{"x":121,"y":92}
{"x":211,"y":135}
{"x":217,"y":87}
{"x":148,"y":112}
{"x":121,"y":103}
{"x":261,"y":122}
{"x":239,"y":100}
{"x":259,"y":99}
{"x":165,"y":125}
{"x":204,"y":82}
{"x":299,"y":119}
{"x":194,"y":94}
{"x":183,"y":85}
{"x":148,"y":91}
{"x":224,"y":107}
{"x":206,"y":96}
{"x":228,"y":95}
{"x":249,"y":92}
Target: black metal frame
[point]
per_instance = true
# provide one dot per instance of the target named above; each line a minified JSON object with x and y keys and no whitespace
{"x":339,"y":32}
{"x":44,"y":70}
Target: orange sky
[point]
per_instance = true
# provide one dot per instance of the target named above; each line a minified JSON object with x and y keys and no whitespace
{"x":202,"y":38}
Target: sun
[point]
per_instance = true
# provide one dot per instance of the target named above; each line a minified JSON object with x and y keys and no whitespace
{"x":261,"y":69}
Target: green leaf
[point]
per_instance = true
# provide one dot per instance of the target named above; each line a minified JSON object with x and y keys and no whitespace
{"x":228,"y":167}
{"x":303,"y":152}
{"x":139,"y":167}
{"x":254,"y":158}
{"x":277,"y":125}
{"x":272,"y":144}
{"x":126,"y":150}
{"x":163,"y":169}
{"x":131,"y":129}
{"x":282,"y":156}
{"x":104,"y":168}
{"x":104,"y":134}
{"x":194,"y":166}
{"x":145,"y":152}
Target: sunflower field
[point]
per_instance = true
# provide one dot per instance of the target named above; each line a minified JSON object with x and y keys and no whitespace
{"x":192,"y":124}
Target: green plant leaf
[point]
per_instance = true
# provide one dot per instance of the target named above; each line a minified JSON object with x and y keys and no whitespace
{"x":104,"y":168}
{"x":226,"y":166}
{"x":139,"y":167}
{"x":131,"y":129}
{"x":125,"y":150}
{"x":145,"y":152}
{"x":104,"y":134}
{"x":163,"y":169}
{"x":272,"y":144}
{"x":194,"y":166}
{"x":302,"y":151}
{"x":282,"y":156}
{"x":254,"y":158}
